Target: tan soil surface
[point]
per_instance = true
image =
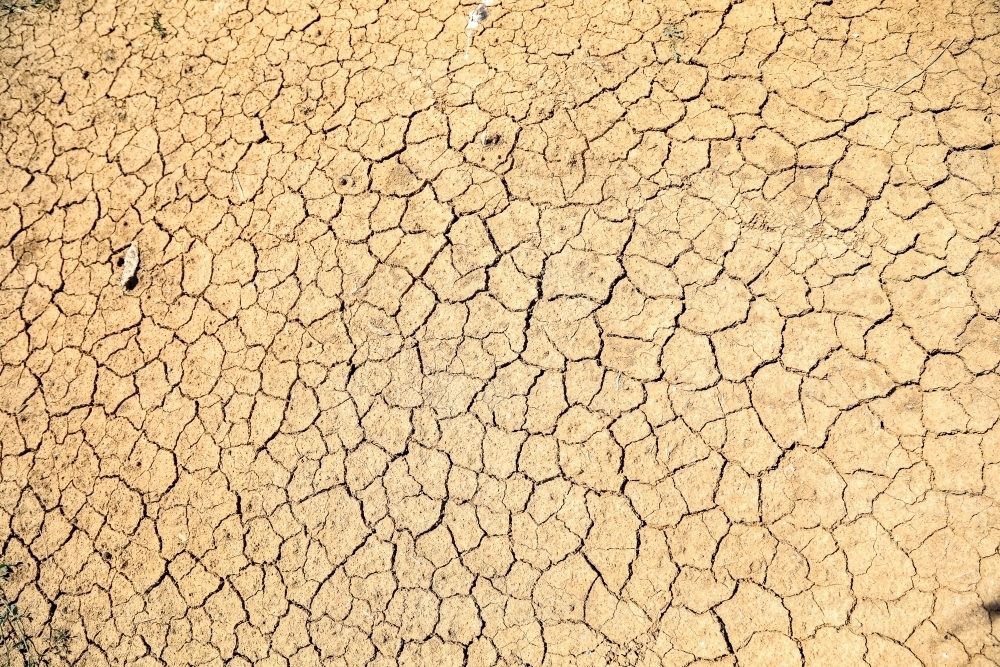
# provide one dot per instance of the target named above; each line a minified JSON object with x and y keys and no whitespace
{"x":647,"y":334}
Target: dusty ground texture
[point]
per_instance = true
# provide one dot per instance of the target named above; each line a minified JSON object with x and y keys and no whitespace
{"x":646,"y":335}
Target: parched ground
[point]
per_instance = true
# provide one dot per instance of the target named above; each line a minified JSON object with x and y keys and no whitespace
{"x":648,"y":333}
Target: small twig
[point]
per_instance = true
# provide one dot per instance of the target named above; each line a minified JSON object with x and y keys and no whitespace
{"x":239,"y":187}
{"x":927,"y":67}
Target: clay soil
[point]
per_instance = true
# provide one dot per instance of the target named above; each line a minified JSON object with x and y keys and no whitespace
{"x":648,"y":333}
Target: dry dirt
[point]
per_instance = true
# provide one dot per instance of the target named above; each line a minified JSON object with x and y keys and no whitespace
{"x":648,"y":334}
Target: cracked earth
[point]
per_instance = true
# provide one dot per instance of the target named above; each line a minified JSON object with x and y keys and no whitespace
{"x":646,"y":334}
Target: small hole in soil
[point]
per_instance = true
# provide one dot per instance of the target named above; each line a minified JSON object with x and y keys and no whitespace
{"x":130,"y":285}
{"x":493,"y":140}
{"x":345,"y":181}
{"x":121,"y":261}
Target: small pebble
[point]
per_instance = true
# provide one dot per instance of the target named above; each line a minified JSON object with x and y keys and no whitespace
{"x":131,"y":264}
